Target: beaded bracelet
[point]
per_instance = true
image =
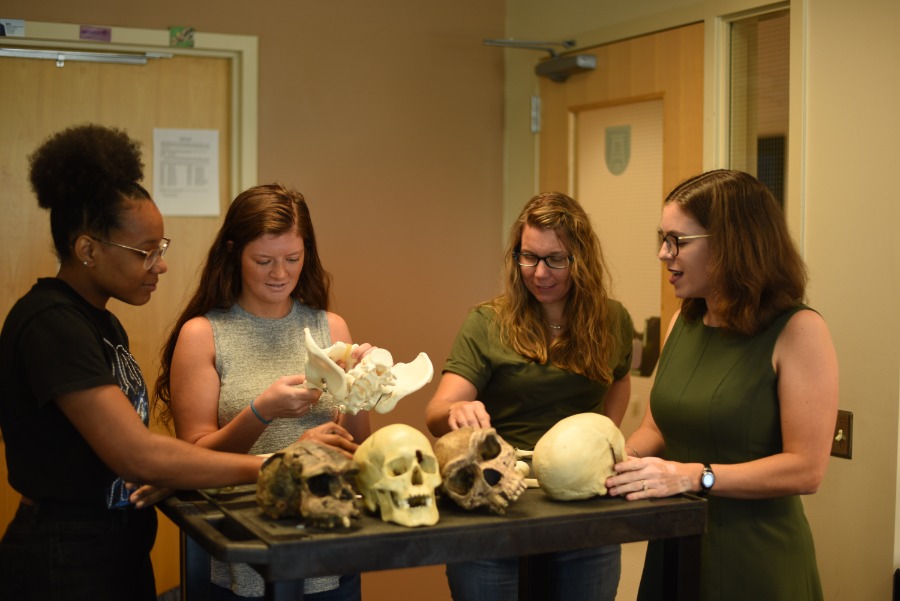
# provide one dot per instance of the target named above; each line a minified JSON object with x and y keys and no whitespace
{"x":258,"y":416}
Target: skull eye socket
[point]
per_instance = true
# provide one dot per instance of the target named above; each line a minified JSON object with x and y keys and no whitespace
{"x":492,"y":477}
{"x":322,"y":485}
{"x":462,"y":481}
{"x":489,"y":448}
{"x":429,"y":463}
{"x":398,"y":466}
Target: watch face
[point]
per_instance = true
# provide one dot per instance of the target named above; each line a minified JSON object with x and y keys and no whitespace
{"x":708,"y":479}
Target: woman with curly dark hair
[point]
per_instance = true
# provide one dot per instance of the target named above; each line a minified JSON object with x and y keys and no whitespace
{"x":73,"y":401}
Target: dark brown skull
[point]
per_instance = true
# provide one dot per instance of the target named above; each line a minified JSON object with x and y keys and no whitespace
{"x":478,"y":469}
{"x":309,"y":480}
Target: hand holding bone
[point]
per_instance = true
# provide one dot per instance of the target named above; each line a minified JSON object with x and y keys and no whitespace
{"x":286,"y":397}
{"x":376,"y":382}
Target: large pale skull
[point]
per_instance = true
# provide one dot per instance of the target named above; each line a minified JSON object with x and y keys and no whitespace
{"x":398,"y":474}
{"x":478,"y":468}
{"x":309,"y":480}
{"x":573,"y":459}
{"x":376,"y":382}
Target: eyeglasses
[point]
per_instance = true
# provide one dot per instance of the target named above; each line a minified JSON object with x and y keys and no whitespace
{"x":552,"y":261}
{"x":150,"y":256}
{"x":673,"y":242}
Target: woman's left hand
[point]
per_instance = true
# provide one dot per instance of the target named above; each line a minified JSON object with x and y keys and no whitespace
{"x":358,"y":351}
{"x":648,"y":477}
{"x":147,"y":495}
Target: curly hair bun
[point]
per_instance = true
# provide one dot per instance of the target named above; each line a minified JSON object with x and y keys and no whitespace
{"x":84,"y":165}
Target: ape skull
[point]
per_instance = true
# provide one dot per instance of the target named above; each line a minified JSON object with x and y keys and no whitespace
{"x":478,"y":468}
{"x":309,"y":480}
{"x":398,"y":475}
{"x":573,"y":459}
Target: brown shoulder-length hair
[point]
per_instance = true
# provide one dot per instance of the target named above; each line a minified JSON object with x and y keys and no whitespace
{"x":755,"y":268}
{"x":266,"y":209}
{"x":589,"y":340}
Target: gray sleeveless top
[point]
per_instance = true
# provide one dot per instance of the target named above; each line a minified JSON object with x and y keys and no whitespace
{"x":251,"y":353}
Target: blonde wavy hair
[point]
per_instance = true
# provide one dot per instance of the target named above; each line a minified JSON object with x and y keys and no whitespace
{"x":589,"y":340}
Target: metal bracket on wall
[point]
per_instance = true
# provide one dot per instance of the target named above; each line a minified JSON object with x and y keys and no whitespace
{"x":61,"y":56}
{"x":556,"y":68}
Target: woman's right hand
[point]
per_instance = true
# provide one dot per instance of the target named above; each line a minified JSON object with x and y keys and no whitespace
{"x":286,"y":397}
{"x":468,"y":413}
{"x":454,"y":406}
{"x":332,"y":435}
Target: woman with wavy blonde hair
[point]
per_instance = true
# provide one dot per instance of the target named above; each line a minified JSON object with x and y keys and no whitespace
{"x":553,"y":344}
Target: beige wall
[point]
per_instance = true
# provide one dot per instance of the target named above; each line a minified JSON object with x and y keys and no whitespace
{"x":388,"y":118}
{"x":845,"y":174}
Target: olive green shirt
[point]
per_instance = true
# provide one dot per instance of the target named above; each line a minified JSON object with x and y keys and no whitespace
{"x":525,"y":398}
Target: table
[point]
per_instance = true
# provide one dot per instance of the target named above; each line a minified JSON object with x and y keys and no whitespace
{"x":230,"y":527}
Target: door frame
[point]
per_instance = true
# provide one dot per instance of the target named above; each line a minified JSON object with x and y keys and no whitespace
{"x":242,"y":50}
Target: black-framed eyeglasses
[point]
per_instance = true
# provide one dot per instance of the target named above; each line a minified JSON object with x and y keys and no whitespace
{"x":551,"y":261}
{"x":150,"y":256}
{"x":673,"y":242}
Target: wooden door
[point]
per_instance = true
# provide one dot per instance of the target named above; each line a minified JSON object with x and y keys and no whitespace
{"x":650,"y":87}
{"x":38,"y":99}
{"x":664,"y":67}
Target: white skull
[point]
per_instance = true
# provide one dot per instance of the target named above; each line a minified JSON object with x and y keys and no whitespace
{"x":374,"y":383}
{"x":309,"y":480}
{"x":573,"y":459}
{"x":398,"y":474}
{"x":478,"y":468}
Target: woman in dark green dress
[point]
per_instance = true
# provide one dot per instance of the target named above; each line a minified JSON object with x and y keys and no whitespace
{"x":745,"y":398}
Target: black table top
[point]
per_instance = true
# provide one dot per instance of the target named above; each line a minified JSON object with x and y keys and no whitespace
{"x":231,"y":527}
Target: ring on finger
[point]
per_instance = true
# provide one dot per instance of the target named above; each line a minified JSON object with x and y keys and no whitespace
{"x":644,"y":485}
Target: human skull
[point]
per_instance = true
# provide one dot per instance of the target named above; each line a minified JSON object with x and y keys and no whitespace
{"x":478,"y":468}
{"x":398,"y":474}
{"x":573,"y":459}
{"x":309,"y":480}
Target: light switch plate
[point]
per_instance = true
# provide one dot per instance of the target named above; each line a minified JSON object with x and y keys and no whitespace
{"x":842,"y":444}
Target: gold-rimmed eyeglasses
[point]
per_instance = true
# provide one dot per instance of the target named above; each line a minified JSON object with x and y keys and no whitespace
{"x":150,"y":256}
{"x":673,"y":242}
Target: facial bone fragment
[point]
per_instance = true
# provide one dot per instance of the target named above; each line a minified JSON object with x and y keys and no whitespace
{"x":398,"y":475}
{"x":478,"y":468}
{"x":309,"y":480}
{"x":573,"y":459}
{"x":374,"y":383}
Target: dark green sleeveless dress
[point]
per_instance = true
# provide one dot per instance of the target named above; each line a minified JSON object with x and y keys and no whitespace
{"x":715,"y":401}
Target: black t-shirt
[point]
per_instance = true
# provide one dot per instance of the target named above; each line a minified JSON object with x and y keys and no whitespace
{"x":54,"y":342}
